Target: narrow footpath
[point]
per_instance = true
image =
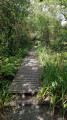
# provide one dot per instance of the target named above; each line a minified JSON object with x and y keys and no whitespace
{"x":27,"y":83}
{"x":27,"y":79}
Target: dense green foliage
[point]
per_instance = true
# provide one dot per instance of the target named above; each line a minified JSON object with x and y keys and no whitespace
{"x":14,"y":31}
{"x":22,"y":22}
{"x":14,"y":41}
{"x":52,"y":52}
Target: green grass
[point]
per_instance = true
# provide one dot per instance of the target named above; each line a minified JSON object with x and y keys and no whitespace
{"x":54,"y":76}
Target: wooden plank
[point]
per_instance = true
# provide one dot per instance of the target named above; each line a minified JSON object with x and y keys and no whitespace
{"x":28,"y":77}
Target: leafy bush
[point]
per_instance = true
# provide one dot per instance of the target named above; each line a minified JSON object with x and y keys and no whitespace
{"x":23,"y":52}
{"x":37,"y":42}
{"x":9,"y":70}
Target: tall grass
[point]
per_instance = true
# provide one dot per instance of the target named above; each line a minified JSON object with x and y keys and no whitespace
{"x":54,"y":77}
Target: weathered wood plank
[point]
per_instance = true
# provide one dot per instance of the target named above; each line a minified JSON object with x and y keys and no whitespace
{"x":27,"y":78}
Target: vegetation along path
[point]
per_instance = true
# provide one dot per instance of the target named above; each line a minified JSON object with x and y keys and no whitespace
{"x":27,"y":82}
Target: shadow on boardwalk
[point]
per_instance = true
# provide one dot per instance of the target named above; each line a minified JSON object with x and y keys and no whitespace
{"x":29,"y":113}
{"x":28,"y":77}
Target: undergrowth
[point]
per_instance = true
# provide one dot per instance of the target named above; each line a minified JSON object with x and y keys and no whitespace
{"x":9,"y":64}
{"x":54,"y":77}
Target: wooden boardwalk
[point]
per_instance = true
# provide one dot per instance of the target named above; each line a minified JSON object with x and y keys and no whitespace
{"x":27,"y":79}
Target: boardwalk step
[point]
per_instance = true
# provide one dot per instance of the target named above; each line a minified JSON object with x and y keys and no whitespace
{"x":31,"y":100}
{"x":24,"y":91}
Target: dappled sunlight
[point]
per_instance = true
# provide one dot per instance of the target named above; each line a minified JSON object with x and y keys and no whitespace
{"x":32,"y":113}
{"x":19,"y":76}
{"x":27,"y":84}
{"x":27,"y":78}
{"x":21,"y":112}
{"x":34,"y":68}
{"x":40,"y":118}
